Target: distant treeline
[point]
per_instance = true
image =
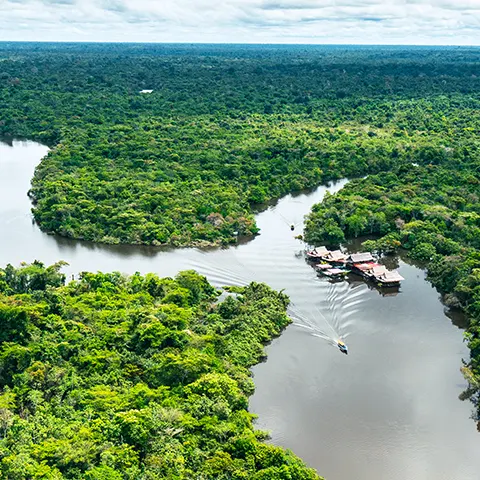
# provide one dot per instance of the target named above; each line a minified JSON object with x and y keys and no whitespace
{"x":226,"y":128}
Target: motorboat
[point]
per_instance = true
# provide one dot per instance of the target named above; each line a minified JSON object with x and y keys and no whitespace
{"x":343,"y":348}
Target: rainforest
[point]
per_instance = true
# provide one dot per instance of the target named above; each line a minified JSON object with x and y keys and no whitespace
{"x":117,"y":377}
{"x":223,"y":130}
{"x":112,"y":376}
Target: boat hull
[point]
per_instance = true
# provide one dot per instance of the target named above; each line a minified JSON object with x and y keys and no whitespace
{"x":386,"y":284}
{"x":334,"y":276}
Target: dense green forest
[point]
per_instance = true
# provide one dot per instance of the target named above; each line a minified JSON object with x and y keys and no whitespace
{"x":226,"y":128}
{"x":113,"y":377}
{"x":229,"y":127}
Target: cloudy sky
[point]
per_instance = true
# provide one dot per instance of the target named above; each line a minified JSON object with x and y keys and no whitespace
{"x":451,"y":22}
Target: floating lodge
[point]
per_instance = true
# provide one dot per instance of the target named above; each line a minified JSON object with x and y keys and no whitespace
{"x":337,"y":265}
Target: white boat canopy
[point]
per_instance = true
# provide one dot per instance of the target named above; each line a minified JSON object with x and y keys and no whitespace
{"x":336,"y":256}
{"x":361,"y":257}
{"x":320,"y":250}
{"x":392,"y":276}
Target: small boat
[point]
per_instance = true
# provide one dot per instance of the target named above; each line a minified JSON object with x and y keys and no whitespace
{"x":316,"y":254}
{"x":343,"y":348}
{"x":360,"y":258}
{"x":365,"y":269}
{"x":387,"y":278}
{"x":292,"y":225}
{"x":336,"y":257}
{"x":330,"y":272}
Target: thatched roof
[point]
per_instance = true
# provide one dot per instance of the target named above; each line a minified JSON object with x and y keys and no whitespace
{"x":361,"y":257}
{"x":392,"y":276}
{"x":336,"y":255}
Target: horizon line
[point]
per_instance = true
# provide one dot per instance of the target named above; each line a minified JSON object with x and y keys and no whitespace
{"x":114,"y":42}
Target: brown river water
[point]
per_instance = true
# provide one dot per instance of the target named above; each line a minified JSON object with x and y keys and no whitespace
{"x":388,"y":410}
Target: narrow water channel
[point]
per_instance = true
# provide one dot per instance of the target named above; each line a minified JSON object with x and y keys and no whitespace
{"x":388,"y":410}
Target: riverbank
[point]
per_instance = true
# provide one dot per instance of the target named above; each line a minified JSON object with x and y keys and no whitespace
{"x":184,"y":165}
{"x":363,"y":413}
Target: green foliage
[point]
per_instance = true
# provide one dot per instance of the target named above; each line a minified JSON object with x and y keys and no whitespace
{"x":223,"y":130}
{"x":385,"y":245}
{"x":424,"y":252}
{"x":134,"y":378}
{"x":30,"y":278}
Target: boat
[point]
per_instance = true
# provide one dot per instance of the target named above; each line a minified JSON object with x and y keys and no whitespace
{"x":335,"y":273}
{"x":337,"y":257}
{"x":360,"y":258}
{"x":333,"y":264}
{"x":316,"y":254}
{"x":354,"y":281}
{"x":343,"y":348}
{"x":386,"y":278}
{"x":365,"y":269}
{"x":291,"y":225}
{"x":379,"y":274}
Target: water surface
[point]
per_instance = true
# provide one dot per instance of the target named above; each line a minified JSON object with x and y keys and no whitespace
{"x":388,"y":410}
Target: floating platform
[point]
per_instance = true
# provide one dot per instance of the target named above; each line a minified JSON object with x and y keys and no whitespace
{"x":378,"y":274}
{"x":362,"y":264}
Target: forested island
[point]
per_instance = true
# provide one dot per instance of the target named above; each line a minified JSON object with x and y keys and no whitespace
{"x":114,"y":377}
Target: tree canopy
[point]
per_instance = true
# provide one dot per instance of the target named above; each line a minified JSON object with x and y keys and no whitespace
{"x":228,"y":127}
{"x":224,"y":129}
{"x":114,"y":377}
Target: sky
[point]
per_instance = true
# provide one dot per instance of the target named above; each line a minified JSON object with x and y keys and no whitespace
{"x":418,"y":22}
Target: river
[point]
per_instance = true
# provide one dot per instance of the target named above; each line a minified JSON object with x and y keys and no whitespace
{"x":388,"y":410}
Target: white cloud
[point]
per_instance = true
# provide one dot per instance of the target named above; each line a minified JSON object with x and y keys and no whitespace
{"x":249,"y":21}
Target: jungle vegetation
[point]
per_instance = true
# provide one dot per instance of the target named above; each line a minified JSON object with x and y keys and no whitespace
{"x":229,"y":127}
{"x":225,"y":128}
{"x":115,"y":377}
